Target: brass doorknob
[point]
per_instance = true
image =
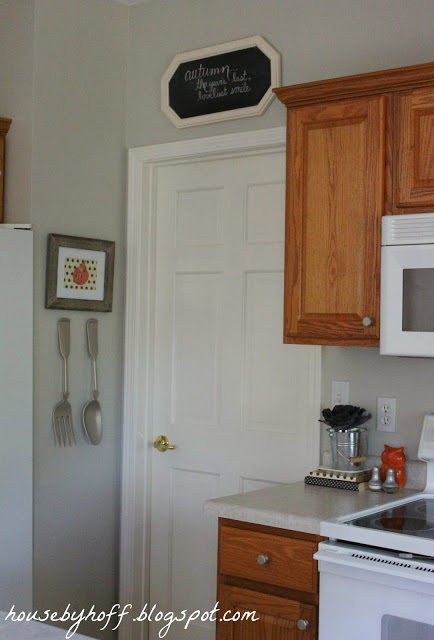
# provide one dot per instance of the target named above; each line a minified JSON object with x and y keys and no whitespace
{"x":162,"y":443}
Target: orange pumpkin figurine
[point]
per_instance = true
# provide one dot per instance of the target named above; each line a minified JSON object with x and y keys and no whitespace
{"x":394,"y":457}
{"x":81,"y":274}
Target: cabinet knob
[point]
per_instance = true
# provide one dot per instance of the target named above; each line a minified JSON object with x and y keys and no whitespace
{"x":367,"y":322}
{"x":302,"y":624}
{"x":262,"y":559}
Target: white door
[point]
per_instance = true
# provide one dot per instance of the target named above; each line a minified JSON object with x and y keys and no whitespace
{"x":241,"y":407}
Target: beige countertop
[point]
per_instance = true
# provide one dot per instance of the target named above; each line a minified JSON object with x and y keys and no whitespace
{"x":297,"y":506}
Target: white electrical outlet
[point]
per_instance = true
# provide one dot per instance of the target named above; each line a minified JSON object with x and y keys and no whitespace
{"x":340,"y":392}
{"x":386,"y":414}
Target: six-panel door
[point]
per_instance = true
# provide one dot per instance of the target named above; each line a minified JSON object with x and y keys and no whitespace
{"x":225,"y":388}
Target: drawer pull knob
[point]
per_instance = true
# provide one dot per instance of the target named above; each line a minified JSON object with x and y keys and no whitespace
{"x":367,"y":322}
{"x":302,"y":624}
{"x":262,"y":559}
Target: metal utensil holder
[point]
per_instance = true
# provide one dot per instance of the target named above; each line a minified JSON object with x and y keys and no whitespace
{"x":349,"y":448}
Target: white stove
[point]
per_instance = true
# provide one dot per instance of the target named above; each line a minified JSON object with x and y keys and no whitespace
{"x":377,"y":570}
{"x":406,"y":525}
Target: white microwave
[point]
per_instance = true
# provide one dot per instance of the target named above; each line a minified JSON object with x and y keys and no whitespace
{"x":407,"y":285}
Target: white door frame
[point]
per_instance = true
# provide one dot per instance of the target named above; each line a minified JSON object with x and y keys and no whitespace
{"x":138,"y":355}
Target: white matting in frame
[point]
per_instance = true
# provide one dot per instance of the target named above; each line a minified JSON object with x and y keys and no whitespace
{"x":80,"y":274}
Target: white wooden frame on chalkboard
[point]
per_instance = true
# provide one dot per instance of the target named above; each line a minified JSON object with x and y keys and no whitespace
{"x":236,"y":45}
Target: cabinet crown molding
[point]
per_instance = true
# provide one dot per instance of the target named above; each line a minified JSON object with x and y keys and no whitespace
{"x":364,"y":84}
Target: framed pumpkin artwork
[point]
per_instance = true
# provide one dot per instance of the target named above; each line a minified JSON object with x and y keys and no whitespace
{"x":79,"y":273}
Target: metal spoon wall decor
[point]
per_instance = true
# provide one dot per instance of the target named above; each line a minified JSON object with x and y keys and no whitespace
{"x":92,"y":422}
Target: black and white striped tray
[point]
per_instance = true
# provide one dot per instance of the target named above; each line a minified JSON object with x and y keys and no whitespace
{"x":336,"y":484}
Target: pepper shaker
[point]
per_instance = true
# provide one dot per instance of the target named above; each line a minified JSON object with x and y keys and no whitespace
{"x":390,"y":485}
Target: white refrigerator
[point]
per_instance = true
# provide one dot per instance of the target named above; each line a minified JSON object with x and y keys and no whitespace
{"x":16,"y":412}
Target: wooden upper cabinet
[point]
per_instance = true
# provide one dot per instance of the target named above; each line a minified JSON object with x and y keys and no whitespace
{"x":358,"y":148}
{"x":335,"y":177}
{"x":5,"y":123}
{"x":414,"y":177}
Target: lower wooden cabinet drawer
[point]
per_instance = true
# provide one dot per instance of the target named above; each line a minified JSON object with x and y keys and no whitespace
{"x":268,"y":558}
{"x":279,"y":618}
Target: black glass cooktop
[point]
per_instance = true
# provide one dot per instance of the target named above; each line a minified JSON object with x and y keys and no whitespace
{"x":412,"y":518}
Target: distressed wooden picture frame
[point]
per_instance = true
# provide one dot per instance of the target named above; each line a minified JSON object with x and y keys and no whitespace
{"x":79,"y":273}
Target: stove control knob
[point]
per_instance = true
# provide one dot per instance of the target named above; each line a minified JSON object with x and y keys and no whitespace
{"x":302,"y":624}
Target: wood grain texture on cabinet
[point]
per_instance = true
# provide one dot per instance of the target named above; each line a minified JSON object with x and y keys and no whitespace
{"x":5,"y":123}
{"x":282,"y":592}
{"x":289,"y":562}
{"x":414,"y":178}
{"x":278,"y":617}
{"x":335,"y":199}
{"x":358,"y":147}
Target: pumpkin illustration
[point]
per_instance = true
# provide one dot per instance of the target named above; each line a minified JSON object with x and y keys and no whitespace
{"x":80,"y":275}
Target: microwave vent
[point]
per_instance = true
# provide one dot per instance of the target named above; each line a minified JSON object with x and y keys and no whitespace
{"x":416,"y":228}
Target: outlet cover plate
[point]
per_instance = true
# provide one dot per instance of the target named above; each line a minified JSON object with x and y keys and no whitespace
{"x":340,"y":392}
{"x":386,"y":414}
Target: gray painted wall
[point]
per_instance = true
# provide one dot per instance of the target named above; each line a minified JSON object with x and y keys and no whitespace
{"x":65,"y":90}
{"x":64,"y":85}
{"x":78,"y":187}
{"x":317,"y":40}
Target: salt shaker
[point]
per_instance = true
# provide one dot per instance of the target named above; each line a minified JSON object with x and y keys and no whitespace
{"x":390,"y":485}
{"x":375,"y":483}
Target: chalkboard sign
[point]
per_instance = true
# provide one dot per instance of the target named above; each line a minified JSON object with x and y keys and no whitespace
{"x":228,"y":81}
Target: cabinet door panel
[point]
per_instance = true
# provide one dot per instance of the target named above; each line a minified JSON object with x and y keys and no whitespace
{"x":277,"y":616}
{"x":414,"y":178}
{"x":334,"y":206}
